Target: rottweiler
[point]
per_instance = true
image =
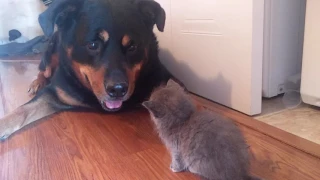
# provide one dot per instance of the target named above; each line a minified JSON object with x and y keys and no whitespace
{"x":103,"y":56}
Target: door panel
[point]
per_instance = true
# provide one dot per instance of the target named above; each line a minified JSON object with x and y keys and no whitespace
{"x":215,"y":48}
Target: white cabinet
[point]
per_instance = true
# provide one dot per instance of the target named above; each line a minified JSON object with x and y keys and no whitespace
{"x":215,"y":48}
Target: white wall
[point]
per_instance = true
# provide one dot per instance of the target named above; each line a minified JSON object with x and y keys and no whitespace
{"x":21,"y":15}
{"x":283,"y":43}
{"x":310,"y":83}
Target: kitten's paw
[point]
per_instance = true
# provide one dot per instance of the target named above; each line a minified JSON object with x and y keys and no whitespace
{"x":176,"y":168}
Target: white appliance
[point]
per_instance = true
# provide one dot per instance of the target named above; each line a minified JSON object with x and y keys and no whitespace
{"x":232,"y":51}
{"x":310,"y":82}
{"x":283,"y":44}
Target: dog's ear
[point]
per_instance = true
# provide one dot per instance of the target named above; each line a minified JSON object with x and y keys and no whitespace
{"x":60,"y":12}
{"x":153,"y":13}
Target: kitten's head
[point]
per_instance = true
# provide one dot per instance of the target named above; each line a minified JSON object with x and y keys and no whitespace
{"x":169,"y":105}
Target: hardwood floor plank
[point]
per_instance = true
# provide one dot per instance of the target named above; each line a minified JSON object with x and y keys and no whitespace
{"x":124,"y":146}
{"x":15,"y":80}
{"x":1,"y":98}
{"x":88,"y":146}
{"x":277,"y":161}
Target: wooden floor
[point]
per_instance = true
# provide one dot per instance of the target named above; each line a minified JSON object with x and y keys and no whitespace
{"x":90,"y":146}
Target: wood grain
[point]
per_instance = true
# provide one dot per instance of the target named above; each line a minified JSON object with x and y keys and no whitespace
{"x":15,"y":78}
{"x":87,"y":146}
{"x":124,"y":146}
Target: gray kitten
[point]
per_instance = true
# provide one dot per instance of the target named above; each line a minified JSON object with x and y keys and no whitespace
{"x":201,"y":142}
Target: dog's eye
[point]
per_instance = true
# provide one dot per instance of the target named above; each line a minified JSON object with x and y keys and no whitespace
{"x":132,"y":47}
{"x":94,"y":45}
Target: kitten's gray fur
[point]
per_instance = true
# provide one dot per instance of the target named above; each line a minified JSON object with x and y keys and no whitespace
{"x":202,"y":142}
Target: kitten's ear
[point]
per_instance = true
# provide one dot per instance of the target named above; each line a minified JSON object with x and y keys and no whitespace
{"x":157,"y":109}
{"x":174,"y":84}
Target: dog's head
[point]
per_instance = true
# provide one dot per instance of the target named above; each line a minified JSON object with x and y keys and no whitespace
{"x":106,"y":42}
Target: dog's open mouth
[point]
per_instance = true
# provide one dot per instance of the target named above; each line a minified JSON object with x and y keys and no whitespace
{"x":112,"y":105}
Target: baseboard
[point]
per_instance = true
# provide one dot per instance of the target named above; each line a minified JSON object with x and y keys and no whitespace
{"x":271,"y":131}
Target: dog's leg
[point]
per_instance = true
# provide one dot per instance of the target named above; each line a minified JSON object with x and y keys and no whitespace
{"x":38,"y":84}
{"x":42,"y":105}
{"x":49,"y":62}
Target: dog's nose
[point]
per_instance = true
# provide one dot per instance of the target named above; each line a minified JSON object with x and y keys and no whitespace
{"x":117,"y":90}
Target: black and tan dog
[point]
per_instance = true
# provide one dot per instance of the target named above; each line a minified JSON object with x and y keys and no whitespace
{"x":104,"y":56}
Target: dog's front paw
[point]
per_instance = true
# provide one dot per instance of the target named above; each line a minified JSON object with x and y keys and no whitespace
{"x":4,"y":136}
{"x":37,"y":85}
{"x":11,"y":123}
{"x":6,"y":129}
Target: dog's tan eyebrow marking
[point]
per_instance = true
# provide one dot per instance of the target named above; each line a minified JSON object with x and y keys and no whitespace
{"x":104,"y":35}
{"x":125,"y":40}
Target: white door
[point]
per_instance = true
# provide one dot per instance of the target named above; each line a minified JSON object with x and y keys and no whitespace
{"x":215,"y":48}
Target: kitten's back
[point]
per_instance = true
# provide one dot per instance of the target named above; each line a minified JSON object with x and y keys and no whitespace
{"x":214,"y":147}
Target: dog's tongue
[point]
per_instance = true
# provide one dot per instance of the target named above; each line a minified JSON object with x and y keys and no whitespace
{"x":113,"y":104}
